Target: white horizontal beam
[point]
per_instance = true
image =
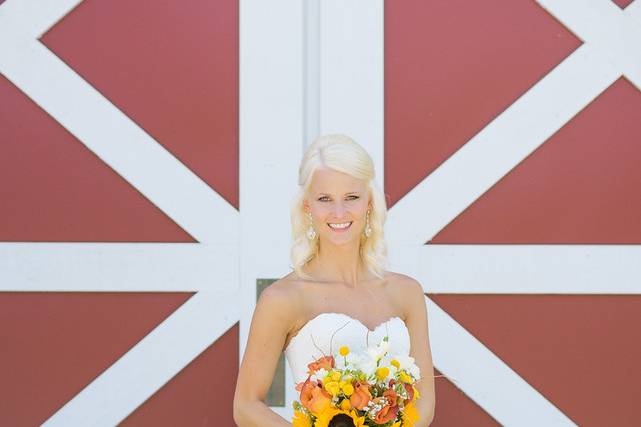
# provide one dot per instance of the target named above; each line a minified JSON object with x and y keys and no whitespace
{"x":117,"y":267}
{"x":525,"y":269}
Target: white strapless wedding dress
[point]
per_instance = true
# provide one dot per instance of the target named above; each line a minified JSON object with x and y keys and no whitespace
{"x":317,"y":332}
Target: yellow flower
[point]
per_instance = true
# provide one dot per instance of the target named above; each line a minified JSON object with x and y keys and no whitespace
{"x":396,"y":363}
{"x":416,"y":393}
{"x":301,"y":419}
{"x":332,"y":387}
{"x":396,"y":424}
{"x":410,"y":415}
{"x":404,"y":377}
{"x":344,"y":350}
{"x":336,"y":375}
{"x":347,"y":388}
{"x":345,"y":405}
{"x":326,"y":416}
{"x":382,"y":373}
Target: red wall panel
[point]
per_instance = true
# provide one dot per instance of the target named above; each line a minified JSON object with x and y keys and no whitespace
{"x":172,"y":69}
{"x":450,"y":69}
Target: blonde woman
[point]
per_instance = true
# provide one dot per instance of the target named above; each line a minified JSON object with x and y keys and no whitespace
{"x":339,"y":291}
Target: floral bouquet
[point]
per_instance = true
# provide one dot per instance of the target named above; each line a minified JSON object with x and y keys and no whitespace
{"x":361,"y":390}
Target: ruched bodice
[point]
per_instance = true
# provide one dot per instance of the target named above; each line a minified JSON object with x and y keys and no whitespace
{"x":313,"y":339}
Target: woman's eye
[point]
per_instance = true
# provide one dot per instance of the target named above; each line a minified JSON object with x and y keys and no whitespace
{"x":324,"y":198}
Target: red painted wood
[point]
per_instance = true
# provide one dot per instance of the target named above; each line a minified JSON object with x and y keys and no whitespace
{"x":202,"y":394}
{"x":450,"y":68}
{"x":583,"y":185}
{"x":581,"y":352}
{"x":454,"y":408}
{"x":53,"y":344}
{"x":172,"y":68}
{"x":54,"y":189}
{"x":622,"y":3}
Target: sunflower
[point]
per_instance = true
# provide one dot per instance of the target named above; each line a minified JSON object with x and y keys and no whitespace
{"x":410,"y":415}
{"x":326,"y":416}
{"x":301,"y":419}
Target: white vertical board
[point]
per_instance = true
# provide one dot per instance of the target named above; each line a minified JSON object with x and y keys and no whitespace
{"x":351,"y":74}
{"x":271,"y":134}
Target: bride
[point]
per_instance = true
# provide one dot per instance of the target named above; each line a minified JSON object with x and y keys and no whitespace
{"x":339,"y":292}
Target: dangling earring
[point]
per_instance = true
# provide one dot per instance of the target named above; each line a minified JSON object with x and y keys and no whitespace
{"x":311,"y":231}
{"x":368,"y":229}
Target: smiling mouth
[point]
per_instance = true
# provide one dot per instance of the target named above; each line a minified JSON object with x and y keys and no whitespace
{"x":340,"y":226}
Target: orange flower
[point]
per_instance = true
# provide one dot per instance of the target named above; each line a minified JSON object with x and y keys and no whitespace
{"x":300,"y":385}
{"x":410,"y":393}
{"x":409,"y":388}
{"x":325,"y":362}
{"x":313,"y":397}
{"x":390,"y":408}
{"x":361,"y":395}
{"x":391,"y":396}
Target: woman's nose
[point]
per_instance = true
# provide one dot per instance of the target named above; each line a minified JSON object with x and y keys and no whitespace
{"x":339,"y":210}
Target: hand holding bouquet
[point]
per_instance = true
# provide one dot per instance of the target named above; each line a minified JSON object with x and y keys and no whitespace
{"x":359,"y":390}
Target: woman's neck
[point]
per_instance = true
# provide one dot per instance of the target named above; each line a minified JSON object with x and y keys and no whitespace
{"x":339,"y":263}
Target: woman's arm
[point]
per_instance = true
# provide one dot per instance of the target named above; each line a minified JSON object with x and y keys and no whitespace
{"x":270,"y":324}
{"x":420,"y":351}
{"x":257,"y":414}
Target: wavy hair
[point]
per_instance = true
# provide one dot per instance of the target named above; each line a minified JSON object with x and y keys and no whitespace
{"x":341,"y":153}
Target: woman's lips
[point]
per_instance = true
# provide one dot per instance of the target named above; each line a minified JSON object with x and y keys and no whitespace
{"x":341,"y":230}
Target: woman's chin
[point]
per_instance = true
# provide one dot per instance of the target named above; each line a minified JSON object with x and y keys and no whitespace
{"x":339,"y":239}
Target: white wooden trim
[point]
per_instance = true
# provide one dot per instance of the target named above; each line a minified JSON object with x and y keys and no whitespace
{"x":526,"y":269}
{"x":117,"y":267}
{"x":614,"y":33}
{"x":311,"y":70}
{"x":351,"y":74}
{"x":275,"y":114}
{"x":273,"y":110}
{"x":30,"y":19}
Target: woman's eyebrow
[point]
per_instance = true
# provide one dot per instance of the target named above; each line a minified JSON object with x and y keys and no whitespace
{"x":327,"y":194}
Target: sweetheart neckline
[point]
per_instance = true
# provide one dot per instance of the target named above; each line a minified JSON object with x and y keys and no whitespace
{"x":358,"y":322}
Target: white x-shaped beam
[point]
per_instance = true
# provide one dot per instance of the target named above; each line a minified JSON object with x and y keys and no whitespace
{"x":612,"y":43}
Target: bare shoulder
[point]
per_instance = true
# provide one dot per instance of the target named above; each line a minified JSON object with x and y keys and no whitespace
{"x":404,"y":291}
{"x":281,"y":292}
{"x":403,"y":283}
{"x":282,"y":298}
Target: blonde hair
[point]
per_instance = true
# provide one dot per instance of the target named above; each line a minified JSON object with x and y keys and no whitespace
{"x":342,"y":154}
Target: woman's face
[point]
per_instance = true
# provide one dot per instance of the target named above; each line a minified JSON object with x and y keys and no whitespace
{"x":336,"y":199}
